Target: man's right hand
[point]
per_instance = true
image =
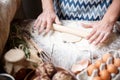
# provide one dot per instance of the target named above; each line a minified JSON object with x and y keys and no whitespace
{"x":45,"y":21}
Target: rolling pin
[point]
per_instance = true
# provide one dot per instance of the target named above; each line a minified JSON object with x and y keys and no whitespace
{"x":83,"y":32}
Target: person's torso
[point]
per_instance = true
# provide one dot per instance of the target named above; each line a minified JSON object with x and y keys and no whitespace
{"x":90,"y":10}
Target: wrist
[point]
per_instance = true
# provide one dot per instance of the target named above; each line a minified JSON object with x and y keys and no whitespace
{"x":48,"y":9}
{"x":47,"y":5}
{"x":109,"y":20}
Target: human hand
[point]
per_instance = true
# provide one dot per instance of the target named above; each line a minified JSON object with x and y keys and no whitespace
{"x":101,"y":31}
{"x":45,"y":20}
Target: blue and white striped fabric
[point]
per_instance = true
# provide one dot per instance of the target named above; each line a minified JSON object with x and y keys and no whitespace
{"x":90,"y":10}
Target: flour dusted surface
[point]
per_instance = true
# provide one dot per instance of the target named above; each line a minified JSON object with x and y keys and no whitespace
{"x":64,"y":54}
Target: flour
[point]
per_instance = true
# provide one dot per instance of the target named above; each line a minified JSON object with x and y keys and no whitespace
{"x":64,"y":54}
{"x":70,"y":38}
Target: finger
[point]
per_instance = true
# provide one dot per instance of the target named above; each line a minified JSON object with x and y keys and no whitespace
{"x":36,"y":22}
{"x":100,"y":37}
{"x":91,"y":34}
{"x":105,"y":37}
{"x":49,"y":24}
{"x":94,"y":37}
{"x":57,"y":21}
{"x":86,"y":25}
{"x":42,"y":27}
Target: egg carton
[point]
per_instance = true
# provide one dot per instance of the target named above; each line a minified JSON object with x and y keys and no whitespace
{"x":84,"y":74}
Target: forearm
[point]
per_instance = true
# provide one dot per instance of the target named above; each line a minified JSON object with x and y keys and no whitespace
{"x":113,"y":12}
{"x":47,"y":5}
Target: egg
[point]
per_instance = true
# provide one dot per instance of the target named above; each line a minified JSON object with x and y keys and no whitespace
{"x":105,"y":75}
{"x":117,"y":62}
{"x":90,"y":69}
{"x":112,"y":68}
{"x":97,"y":78}
{"x":106,"y":56}
{"x":98,"y":63}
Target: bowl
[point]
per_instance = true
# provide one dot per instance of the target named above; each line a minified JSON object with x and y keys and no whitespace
{"x":5,"y":76}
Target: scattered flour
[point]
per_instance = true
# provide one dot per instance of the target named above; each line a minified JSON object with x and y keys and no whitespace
{"x":64,"y":54}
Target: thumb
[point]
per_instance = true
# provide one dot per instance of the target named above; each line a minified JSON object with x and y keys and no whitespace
{"x":57,"y":21}
{"x":86,"y":25}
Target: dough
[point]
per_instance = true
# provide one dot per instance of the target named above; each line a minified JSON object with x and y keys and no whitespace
{"x":70,"y":38}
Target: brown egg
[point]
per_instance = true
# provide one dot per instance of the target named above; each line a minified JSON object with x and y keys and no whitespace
{"x":106,"y":56}
{"x":117,"y":62}
{"x":98,"y":63}
{"x":90,"y":69}
{"x":112,"y":68}
{"x":105,"y":75}
{"x":97,"y":78}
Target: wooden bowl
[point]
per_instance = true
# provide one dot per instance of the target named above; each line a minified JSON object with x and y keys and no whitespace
{"x":22,"y":73}
{"x":30,"y":76}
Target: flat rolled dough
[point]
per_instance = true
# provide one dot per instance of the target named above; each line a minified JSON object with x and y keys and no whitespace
{"x":70,"y":38}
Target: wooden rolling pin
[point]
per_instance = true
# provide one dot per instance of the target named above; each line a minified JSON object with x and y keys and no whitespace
{"x":83,"y":32}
